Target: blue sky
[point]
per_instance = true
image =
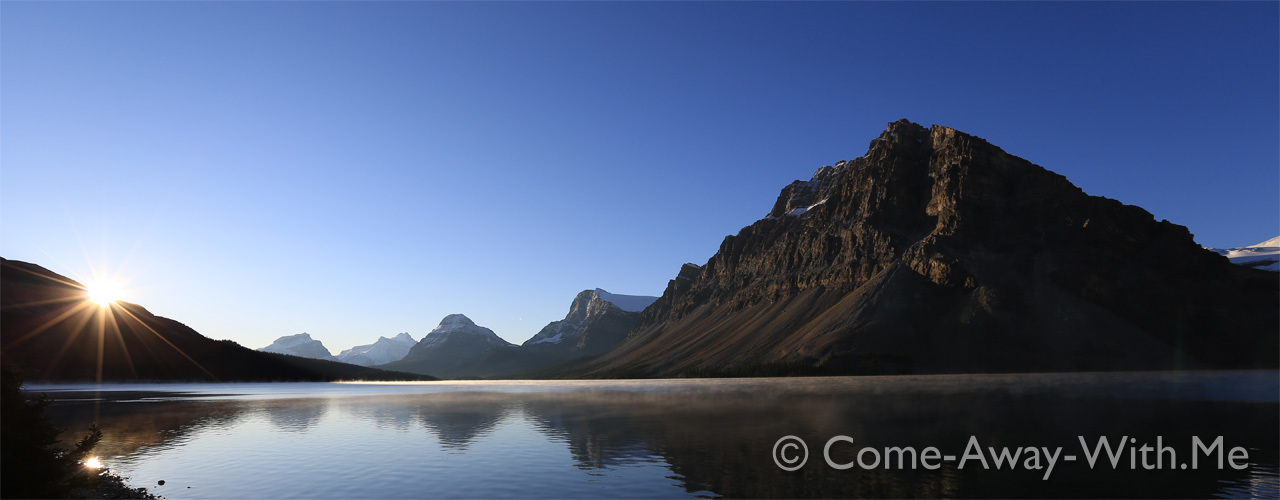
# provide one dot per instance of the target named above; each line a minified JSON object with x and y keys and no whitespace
{"x":361,"y":169}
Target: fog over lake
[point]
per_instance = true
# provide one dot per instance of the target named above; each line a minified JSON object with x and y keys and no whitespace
{"x":673,"y":438}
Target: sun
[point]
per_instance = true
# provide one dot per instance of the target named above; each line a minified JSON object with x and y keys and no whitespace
{"x":103,"y":293}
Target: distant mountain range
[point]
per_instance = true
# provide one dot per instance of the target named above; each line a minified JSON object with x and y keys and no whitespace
{"x":934,"y":252}
{"x":384,"y":350}
{"x":50,"y":330}
{"x":458,"y":348}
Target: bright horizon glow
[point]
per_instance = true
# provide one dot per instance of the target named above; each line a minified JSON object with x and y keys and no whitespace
{"x":360,"y":169}
{"x":103,"y":293}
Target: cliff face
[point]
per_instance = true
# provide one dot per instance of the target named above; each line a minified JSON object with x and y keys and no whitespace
{"x":597,"y":320}
{"x":939,"y":252}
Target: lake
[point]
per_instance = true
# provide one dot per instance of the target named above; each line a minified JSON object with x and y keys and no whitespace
{"x":690,"y":438}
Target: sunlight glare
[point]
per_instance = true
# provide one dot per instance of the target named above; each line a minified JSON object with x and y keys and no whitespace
{"x":93,"y":463}
{"x":102,"y":293}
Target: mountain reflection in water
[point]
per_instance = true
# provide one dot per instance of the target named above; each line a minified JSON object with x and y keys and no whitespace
{"x":675,"y":438}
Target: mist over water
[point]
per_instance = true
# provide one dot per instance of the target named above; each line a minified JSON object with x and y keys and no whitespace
{"x":669,"y":438}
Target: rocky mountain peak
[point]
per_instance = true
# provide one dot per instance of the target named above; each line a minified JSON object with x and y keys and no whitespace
{"x":384,"y":350}
{"x":689,"y":271}
{"x":458,"y":325}
{"x":630,"y":303}
{"x":578,"y":308}
{"x":591,"y":303}
{"x":455,"y":321}
{"x":299,"y":345}
{"x":295,"y":339}
{"x":597,"y":319}
{"x":452,"y":347}
{"x":404,"y":338}
{"x":801,"y":196}
{"x":936,"y":243}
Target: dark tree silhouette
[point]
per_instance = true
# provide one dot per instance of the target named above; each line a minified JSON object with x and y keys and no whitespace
{"x":32,"y":465}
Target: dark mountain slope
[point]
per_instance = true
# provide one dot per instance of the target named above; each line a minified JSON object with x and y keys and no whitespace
{"x":455,"y":348}
{"x":938,"y":252}
{"x":594,"y":324}
{"x":50,"y":331}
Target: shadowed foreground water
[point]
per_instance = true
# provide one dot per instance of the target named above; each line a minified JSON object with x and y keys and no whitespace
{"x":673,"y":438}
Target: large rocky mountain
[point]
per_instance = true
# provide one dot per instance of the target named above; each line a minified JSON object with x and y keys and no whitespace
{"x":300,"y":345}
{"x":384,"y":350}
{"x":597,"y":320}
{"x":451,"y":349}
{"x":938,"y":252}
{"x":50,"y":330}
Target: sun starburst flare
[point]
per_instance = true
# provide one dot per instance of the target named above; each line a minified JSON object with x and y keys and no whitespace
{"x":96,"y":310}
{"x":103,"y":293}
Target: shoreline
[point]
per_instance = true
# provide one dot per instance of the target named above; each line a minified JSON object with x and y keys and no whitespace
{"x":1254,"y":385}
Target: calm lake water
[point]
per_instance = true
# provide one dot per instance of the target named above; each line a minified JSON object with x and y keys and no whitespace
{"x":677,"y":438}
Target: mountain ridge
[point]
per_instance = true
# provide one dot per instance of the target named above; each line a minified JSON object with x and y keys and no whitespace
{"x":50,"y":330}
{"x":937,"y":252}
{"x":300,"y":345}
{"x":1264,"y":255}
{"x":384,"y":350}
{"x":934,"y":252}
{"x":593,"y":324}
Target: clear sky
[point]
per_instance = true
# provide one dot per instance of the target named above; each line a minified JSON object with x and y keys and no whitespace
{"x":362,"y":169}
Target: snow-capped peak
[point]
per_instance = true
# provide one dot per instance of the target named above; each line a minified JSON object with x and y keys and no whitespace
{"x":1265,"y":255}
{"x":1273,"y":242}
{"x":385,"y":350}
{"x":630,"y":303}
{"x":586,"y":304}
{"x":299,"y":345}
{"x":293,"y":340}
{"x":454,"y":322}
{"x":457,"y":324}
{"x":403,"y":338}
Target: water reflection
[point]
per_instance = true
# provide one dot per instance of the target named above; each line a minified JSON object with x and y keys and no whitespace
{"x":457,"y":421}
{"x":679,"y":441}
{"x":291,"y":416}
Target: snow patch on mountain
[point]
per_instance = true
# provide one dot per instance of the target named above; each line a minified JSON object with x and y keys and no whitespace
{"x":588,"y":303}
{"x":548,"y":340}
{"x":458,"y":324}
{"x":1265,"y":255}
{"x":796,"y":212}
{"x":384,"y":350}
{"x":300,"y":345}
{"x":630,"y":303}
